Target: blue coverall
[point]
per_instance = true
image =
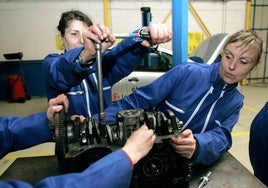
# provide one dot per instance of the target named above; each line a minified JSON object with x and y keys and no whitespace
{"x":200,"y":98}
{"x":63,"y":75}
{"x":258,"y":144}
{"x":114,"y":170}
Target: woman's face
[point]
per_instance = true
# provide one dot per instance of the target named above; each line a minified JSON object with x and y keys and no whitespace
{"x":237,"y":62}
{"x":73,"y":37}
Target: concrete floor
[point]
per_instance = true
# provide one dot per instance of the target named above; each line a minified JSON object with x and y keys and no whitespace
{"x":255,"y":98}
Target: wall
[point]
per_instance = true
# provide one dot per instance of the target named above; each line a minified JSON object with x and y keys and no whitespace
{"x":30,"y":26}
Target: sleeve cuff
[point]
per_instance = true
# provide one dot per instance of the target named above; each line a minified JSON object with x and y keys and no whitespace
{"x":131,"y":162}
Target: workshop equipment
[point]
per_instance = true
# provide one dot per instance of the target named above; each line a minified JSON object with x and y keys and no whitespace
{"x":16,"y":82}
{"x":16,"y":88}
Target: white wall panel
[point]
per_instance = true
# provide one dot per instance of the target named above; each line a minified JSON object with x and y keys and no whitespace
{"x":30,"y":26}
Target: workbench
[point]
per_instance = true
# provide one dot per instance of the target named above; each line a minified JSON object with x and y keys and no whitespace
{"x":227,"y":172}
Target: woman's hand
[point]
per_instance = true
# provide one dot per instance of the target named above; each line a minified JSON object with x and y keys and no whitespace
{"x":185,"y":144}
{"x":55,"y":105}
{"x":160,"y":33}
{"x":139,"y":143}
{"x":98,"y":33}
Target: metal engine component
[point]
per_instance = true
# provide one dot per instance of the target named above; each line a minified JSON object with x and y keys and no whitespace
{"x":78,"y":144}
{"x":161,"y":167}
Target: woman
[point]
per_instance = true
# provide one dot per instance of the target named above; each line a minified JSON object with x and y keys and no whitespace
{"x":74,"y":71}
{"x":205,"y":97}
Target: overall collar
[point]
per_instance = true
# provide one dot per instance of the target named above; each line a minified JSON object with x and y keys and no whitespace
{"x":220,"y":84}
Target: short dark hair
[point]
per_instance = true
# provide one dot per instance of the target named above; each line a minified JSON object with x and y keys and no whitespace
{"x":72,"y":15}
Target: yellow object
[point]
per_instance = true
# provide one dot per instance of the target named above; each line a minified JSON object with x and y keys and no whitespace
{"x":244,"y":82}
{"x":248,"y":12}
{"x":106,"y":7}
{"x":59,"y":44}
{"x":194,"y":39}
{"x":167,"y":17}
{"x":117,"y":41}
{"x":247,"y":26}
{"x":200,"y":21}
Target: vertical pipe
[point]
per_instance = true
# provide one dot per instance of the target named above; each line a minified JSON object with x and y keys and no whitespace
{"x":248,"y":12}
{"x":252,"y":27}
{"x":106,"y":7}
{"x":180,"y":31}
{"x":265,"y":59}
{"x":146,"y":17}
{"x":247,"y":26}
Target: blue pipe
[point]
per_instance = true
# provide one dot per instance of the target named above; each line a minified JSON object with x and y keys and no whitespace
{"x":180,"y":31}
{"x":146,"y":16}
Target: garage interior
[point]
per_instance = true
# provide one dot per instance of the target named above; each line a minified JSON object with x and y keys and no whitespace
{"x":234,"y":15}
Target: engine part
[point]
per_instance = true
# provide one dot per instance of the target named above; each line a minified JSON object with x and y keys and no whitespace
{"x":161,"y":167}
{"x":78,"y":144}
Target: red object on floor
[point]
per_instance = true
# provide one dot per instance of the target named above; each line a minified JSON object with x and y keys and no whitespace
{"x":17,"y":89}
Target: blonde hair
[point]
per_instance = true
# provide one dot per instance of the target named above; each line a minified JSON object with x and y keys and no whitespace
{"x":248,"y":39}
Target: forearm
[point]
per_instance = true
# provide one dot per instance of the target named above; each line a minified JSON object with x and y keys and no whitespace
{"x":21,"y":132}
{"x":211,"y":145}
{"x":62,"y":71}
{"x":113,"y":170}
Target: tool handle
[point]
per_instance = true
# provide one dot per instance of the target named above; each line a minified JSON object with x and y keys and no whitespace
{"x":145,"y":35}
{"x":102,"y":115}
{"x":142,"y":35}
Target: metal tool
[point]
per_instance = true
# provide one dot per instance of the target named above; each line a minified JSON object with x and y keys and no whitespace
{"x":141,"y":35}
{"x":102,"y":115}
{"x":204,"y":180}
